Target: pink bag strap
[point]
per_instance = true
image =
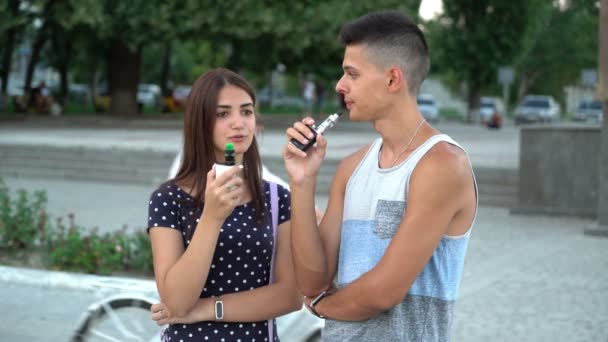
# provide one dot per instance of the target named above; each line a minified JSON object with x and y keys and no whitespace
{"x":274,"y":208}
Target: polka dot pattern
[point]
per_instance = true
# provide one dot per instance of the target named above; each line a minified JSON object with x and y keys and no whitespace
{"x":241,"y":261}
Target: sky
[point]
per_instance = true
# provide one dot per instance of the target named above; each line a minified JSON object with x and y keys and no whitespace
{"x":430,"y":8}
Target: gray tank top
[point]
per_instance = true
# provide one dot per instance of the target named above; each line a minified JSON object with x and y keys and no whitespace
{"x":374,"y":205}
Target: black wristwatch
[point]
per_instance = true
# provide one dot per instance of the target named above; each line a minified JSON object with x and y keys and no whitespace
{"x":315,"y":301}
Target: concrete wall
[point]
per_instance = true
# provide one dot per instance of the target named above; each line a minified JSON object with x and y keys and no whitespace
{"x":559,"y":170}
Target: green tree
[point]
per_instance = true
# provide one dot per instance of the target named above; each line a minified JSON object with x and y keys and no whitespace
{"x":559,"y":42}
{"x":473,"y":38}
{"x":13,"y":21}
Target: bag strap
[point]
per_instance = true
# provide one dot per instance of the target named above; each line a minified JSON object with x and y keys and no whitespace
{"x":274,"y":208}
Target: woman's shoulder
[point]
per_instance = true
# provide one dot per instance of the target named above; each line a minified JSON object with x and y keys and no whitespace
{"x":170,"y":190}
{"x":281,"y":189}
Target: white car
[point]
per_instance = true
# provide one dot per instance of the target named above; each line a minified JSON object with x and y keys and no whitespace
{"x":428,"y":107}
{"x":537,"y":108}
{"x":148,"y":95}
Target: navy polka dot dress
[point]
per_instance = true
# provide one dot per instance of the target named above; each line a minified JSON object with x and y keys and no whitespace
{"x":241,"y":261}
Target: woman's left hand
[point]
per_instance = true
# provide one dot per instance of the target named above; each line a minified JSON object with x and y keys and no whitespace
{"x":163,"y":316}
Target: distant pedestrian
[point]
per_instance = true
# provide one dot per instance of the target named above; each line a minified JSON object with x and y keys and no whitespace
{"x":308,"y":93}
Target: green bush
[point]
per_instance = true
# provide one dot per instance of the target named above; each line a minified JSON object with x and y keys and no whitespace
{"x":24,"y":227}
{"x":23,"y":220}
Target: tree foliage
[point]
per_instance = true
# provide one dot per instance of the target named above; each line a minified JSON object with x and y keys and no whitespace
{"x":473,"y":38}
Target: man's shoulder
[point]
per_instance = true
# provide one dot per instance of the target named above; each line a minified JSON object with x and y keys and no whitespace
{"x":447,"y":154}
{"x":445,"y":160}
{"x":351,"y":161}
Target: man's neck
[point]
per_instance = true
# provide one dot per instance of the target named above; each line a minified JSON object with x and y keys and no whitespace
{"x":397,"y":125}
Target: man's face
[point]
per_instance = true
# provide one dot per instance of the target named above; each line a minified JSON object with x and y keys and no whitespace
{"x":363,"y":84}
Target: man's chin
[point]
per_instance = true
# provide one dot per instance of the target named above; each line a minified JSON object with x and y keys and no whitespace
{"x":356,"y":117}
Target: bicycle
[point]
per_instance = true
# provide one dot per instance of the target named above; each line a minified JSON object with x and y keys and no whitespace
{"x":126,"y":316}
{"x":119,"y":317}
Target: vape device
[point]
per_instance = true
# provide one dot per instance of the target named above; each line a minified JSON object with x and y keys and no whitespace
{"x":327,"y":123}
{"x":229,"y":160}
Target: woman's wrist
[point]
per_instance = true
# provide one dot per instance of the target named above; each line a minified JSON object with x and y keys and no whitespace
{"x":206,"y":310}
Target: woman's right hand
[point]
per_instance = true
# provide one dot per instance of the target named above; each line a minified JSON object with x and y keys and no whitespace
{"x":223,"y":193}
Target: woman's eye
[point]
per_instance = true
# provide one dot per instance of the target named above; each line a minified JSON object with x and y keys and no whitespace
{"x":222,"y":114}
{"x":247,"y":112}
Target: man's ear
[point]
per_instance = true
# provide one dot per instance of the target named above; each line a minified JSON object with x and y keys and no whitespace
{"x":396,"y":81}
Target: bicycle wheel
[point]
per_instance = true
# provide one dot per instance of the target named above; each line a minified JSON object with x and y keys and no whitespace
{"x":118,"y":319}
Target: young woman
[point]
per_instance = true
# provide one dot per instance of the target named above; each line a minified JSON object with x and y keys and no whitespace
{"x":212,"y":236}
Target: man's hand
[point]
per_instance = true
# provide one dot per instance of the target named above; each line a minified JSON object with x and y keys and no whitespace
{"x":302,"y":166}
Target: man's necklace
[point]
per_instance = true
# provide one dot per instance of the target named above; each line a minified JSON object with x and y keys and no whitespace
{"x":408,"y":144}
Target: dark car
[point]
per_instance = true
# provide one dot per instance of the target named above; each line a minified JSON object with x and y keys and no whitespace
{"x":589,"y":110}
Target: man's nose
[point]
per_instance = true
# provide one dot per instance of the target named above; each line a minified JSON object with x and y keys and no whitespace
{"x":340,"y":85}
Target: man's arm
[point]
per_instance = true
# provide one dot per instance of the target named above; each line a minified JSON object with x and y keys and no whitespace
{"x":437,"y":193}
{"x":315,"y":249}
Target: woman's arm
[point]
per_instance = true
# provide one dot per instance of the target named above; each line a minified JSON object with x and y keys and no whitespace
{"x":181,"y":273}
{"x":263,"y":303}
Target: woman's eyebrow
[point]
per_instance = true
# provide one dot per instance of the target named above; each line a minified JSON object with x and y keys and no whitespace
{"x":229,"y":106}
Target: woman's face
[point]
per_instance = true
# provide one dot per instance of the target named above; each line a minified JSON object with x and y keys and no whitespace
{"x":234,"y":122}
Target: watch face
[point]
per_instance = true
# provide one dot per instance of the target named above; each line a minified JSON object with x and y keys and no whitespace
{"x":219,"y":310}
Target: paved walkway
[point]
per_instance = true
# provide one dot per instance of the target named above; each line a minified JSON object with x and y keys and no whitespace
{"x":487,"y":148}
{"x":527,"y":278}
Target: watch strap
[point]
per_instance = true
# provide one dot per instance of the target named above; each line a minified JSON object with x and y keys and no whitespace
{"x":315,"y":301}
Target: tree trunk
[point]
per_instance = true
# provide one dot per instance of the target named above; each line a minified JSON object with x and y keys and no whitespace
{"x":123,"y":65}
{"x":7,"y":54}
{"x":63,"y":69}
{"x":165,"y":69}
{"x":8,"y":48}
{"x":473,"y":99}
{"x":235,"y":60}
{"x":602,"y":210}
{"x":41,"y":39}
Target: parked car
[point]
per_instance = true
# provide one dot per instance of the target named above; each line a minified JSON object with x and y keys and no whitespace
{"x":148,"y":95}
{"x":487,"y":107}
{"x":490,"y":112}
{"x":537,"y":108}
{"x":176,"y":100}
{"x":589,"y":110}
{"x":428,"y":107}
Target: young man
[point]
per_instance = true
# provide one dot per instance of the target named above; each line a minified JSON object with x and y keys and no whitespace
{"x":400,"y":210}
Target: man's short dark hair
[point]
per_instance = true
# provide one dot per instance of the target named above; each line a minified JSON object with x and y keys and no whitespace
{"x":391,"y":39}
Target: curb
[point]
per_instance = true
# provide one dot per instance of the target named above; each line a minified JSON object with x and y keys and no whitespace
{"x":72,"y":281}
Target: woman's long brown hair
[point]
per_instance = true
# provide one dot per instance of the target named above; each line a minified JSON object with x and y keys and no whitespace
{"x":198,"y":150}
